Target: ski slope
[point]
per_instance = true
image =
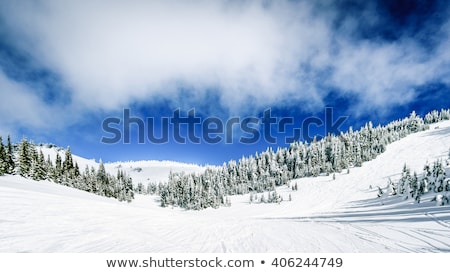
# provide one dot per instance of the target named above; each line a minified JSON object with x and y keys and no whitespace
{"x":325,"y":215}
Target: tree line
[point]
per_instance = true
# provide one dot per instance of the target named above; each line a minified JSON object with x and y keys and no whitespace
{"x":433,"y":180}
{"x":27,"y":160}
{"x":269,"y":169}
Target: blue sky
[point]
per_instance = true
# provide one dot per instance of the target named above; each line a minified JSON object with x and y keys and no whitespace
{"x":65,"y":66}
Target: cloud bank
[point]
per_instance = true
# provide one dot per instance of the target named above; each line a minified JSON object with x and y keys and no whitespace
{"x":250,"y":54}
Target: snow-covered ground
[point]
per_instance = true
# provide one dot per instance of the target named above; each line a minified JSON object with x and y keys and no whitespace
{"x":325,"y":215}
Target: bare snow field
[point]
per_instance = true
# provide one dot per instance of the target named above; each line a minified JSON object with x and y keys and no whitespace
{"x":325,"y":215}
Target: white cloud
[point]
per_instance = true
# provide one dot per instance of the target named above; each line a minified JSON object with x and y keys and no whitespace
{"x":114,"y":51}
{"x":381,"y":76}
{"x":255,"y":53}
{"x":20,"y":105}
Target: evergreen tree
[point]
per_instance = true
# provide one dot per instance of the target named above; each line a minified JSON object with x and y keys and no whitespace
{"x":3,"y":159}
{"x":49,"y":167}
{"x":34,"y":160}
{"x":67,"y":165}
{"x":57,"y":172}
{"x":76,"y":170}
{"x":164,"y":195}
{"x":413,"y":185}
{"x":103,"y":181}
{"x":421,"y":189}
{"x":404,"y":180}
{"x":440,"y":176}
{"x":129,"y":194}
{"x":392,"y":189}
{"x":140,"y":189}
{"x":39,"y":171}
{"x":25,"y":158}
{"x":10,"y":157}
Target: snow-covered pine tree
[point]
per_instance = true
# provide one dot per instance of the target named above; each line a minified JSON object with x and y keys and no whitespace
{"x":422,"y":189}
{"x":153,"y":188}
{"x":129,"y":194}
{"x":404,"y":180}
{"x":437,"y":177}
{"x":415,"y":122}
{"x":440,"y":176}
{"x":34,"y":161}
{"x":358,"y":155}
{"x":57,"y":171}
{"x":3,"y":161}
{"x":140,"y":188}
{"x":11,"y":165}
{"x":39,"y":171}
{"x":49,"y":168}
{"x":76,"y":170}
{"x":431,"y":117}
{"x":163,"y":196}
{"x":25,"y":158}
{"x":92,"y":178}
{"x":103,"y":181}
{"x":392,"y":189}
{"x":413,"y":185}
{"x":67,"y":165}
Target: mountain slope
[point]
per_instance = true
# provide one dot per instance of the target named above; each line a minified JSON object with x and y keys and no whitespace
{"x":146,"y":171}
{"x":143,"y":171}
{"x":325,"y":215}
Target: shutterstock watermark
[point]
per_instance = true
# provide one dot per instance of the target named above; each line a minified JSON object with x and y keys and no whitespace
{"x":183,"y":127}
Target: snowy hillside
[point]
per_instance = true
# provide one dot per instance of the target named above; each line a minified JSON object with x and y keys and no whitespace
{"x":52,"y":151}
{"x":151,"y":170}
{"x":140,"y":171}
{"x":325,"y":215}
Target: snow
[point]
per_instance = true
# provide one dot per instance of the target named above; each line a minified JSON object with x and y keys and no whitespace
{"x":325,"y":215}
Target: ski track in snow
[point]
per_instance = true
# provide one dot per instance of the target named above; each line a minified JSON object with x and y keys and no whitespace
{"x":325,"y":215}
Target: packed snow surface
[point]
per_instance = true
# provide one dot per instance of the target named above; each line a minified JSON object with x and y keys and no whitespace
{"x":325,"y":215}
